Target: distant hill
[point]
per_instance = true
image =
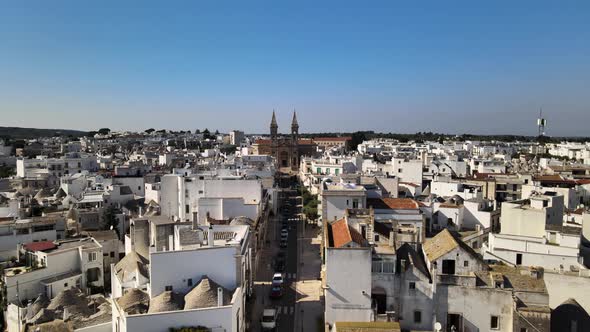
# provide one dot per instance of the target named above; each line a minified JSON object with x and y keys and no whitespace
{"x":20,"y":133}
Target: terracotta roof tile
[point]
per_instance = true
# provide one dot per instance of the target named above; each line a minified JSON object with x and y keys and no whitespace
{"x":340,"y":233}
{"x":393,"y":203}
{"x":336,"y":139}
{"x":40,"y":246}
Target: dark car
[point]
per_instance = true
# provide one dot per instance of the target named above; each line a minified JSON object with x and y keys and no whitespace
{"x":276,"y":291}
{"x":280,"y":265}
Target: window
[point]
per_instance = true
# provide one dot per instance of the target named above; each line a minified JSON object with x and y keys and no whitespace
{"x":465,"y":263}
{"x":186,"y":208}
{"x":200,"y":192}
{"x":66,"y":284}
{"x":399,"y":170}
{"x":138,"y":187}
{"x":168,"y":288}
{"x":112,"y":254}
{"x":523,"y":329}
{"x":417,"y":316}
{"x":92,"y":274}
{"x":91,"y":256}
{"x":518,"y":259}
{"x":318,"y":170}
{"x":189,"y":282}
{"x":347,"y":202}
{"x":495,"y":323}
{"x":412,"y":285}
{"x":376,"y":238}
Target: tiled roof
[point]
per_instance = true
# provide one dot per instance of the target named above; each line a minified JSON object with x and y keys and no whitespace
{"x":339,"y":139}
{"x":356,"y":236}
{"x":439,"y":245}
{"x":393,"y":203}
{"x":268,"y":142}
{"x":40,"y":246}
{"x":340,"y":233}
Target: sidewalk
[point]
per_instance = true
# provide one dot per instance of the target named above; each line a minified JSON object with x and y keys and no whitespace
{"x":309,"y":307}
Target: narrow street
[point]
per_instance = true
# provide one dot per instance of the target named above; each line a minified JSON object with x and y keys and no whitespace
{"x":285,"y":305}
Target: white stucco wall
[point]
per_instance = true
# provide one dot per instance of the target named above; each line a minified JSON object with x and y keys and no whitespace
{"x":173,"y":268}
{"x":348,"y":273}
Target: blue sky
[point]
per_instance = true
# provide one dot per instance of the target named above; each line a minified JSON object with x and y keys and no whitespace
{"x":444,"y":66}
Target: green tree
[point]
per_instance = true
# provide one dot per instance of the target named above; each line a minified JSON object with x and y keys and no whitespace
{"x":104,"y":131}
{"x":149,"y":131}
{"x":356,"y":139}
{"x":109,"y":219}
{"x":197,"y":131}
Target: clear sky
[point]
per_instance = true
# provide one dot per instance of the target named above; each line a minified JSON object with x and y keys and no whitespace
{"x":443,"y":66}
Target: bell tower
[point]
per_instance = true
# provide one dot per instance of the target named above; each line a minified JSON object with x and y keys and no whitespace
{"x":294,"y":128}
{"x":274,"y":128}
{"x":294,"y":142}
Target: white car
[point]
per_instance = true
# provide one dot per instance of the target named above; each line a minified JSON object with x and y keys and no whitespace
{"x":269,"y":319}
{"x":277,"y":279}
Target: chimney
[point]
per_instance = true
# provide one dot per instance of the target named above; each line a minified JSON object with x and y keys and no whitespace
{"x":219,"y":297}
{"x":392,"y":239}
{"x":210,"y":236}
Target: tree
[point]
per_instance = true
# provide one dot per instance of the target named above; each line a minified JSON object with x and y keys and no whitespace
{"x":216,"y":133}
{"x":149,"y":131}
{"x":6,"y":171}
{"x":109,"y":219}
{"x":356,"y":139}
{"x":104,"y":131}
{"x":197,"y":131}
{"x":91,"y":133}
{"x":206,"y":133}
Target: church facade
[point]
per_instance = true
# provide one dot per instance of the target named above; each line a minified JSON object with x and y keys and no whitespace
{"x":286,"y":149}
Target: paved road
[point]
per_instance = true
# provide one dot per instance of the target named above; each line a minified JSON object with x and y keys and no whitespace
{"x":286,"y":304}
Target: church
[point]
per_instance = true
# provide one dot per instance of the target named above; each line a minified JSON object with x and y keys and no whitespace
{"x":286,"y":149}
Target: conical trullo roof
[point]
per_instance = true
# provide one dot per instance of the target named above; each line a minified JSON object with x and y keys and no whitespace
{"x":41,"y":302}
{"x":204,"y":295}
{"x":134,"y":301}
{"x":166,"y":301}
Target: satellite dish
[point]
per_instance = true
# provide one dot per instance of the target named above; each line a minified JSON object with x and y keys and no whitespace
{"x":437,"y":326}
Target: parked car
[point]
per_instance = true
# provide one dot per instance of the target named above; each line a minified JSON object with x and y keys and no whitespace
{"x":277,"y":279}
{"x":269,"y":319}
{"x":276,"y":291}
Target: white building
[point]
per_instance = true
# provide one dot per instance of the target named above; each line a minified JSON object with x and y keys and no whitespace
{"x":209,"y":294}
{"x":335,"y":198}
{"x":236,"y":137}
{"x":53,"y":266}
{"x":16,"y":232}
{"x":185,"y":197}
{"x":532,"y":234}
